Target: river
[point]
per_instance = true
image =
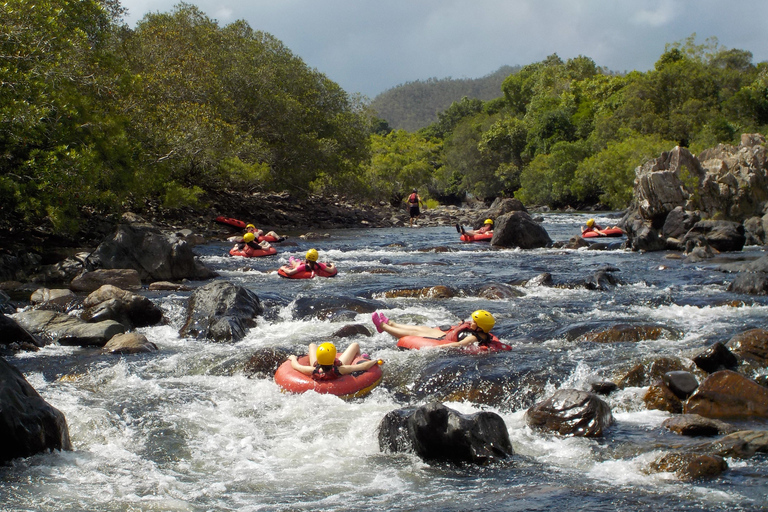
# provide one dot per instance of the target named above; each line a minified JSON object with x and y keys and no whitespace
{"x":184,"y":429}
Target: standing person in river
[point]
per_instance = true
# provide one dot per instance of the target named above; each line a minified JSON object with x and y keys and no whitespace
{"x":414,"y":200}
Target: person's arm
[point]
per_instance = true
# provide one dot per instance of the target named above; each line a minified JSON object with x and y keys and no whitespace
{"x":306,"y":370}
{"x":463,"y":343}
{"x":346,"y":369}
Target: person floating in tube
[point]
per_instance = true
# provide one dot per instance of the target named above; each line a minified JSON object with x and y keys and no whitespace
{"x":310,"y":264}
{"x":476,"y":330}
{"x":323,"y":364}
{"x":249,"y":239}
{"x":487,"y":228}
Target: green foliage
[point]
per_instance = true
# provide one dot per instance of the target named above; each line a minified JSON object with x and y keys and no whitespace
{"x":177,"y":196}
{"x":400,"y":161}
{"x":608,"y":176}
{"x":549,"y":179}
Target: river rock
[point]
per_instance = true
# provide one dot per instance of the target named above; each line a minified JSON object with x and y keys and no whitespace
{"x":727,"y":394}
{"x":693,"y":425}
{"x":755,"y":283}
{"x":571,"y":412}
{"x":543,"y":279}
{"x":742,"y":444}
{"x":15,"y":337}
{"x":330,"y":307}
{"x":152,"y":254}
{"x":627,"y":333}
{"x":678,"y":222}
{"x":498,"y":291}
{"x":721,"y":235}
{"x":265,"y":362}
{"x":167,"y":286}
{"x":68,"y":330}
{"x":681,"y":383}
{"x":659,"y":397}
{"x":751,"y":345}
{"x":715,"y":358}
{"x":28,"y":424}
{"x":518,"y":229}
{"x":129,"y":343}
{"x":59,"y":297}
{"x":436,"y":433}
{"x":111,"y":303}
{"x":644,"y":374}
{"x":352,"y":330}
{"x":690,"y":467}
{"x":125,"y":278}
{"x":220,"y":311}
{"x":430,"y":292}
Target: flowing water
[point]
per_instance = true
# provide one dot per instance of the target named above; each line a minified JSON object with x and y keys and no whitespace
{"x":184,"y":429}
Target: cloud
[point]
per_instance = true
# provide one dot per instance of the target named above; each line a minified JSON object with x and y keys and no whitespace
{"x":369,"y":46}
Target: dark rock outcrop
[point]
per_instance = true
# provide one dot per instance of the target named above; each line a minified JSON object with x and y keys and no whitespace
{"x":221,"y":311}
{"x":28,"y":424}
{"x":518,"y":229}
{"x":439,"y":434}
{"x":154,"y":255}
{"x":715,"y":358}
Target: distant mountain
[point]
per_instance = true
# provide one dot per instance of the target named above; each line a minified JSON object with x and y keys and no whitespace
{"x":414,"y":105}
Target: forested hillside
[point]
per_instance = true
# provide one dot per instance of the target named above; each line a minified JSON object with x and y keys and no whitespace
{"x":97,"y":118}
{"x":414,"y":105}
{"x":568,"y":133}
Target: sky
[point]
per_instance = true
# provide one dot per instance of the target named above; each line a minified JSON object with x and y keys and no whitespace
{"x":370,"y":46}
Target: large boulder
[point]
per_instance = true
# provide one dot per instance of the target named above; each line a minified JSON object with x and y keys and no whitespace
{"x":68,"y":330}
{"x":28,"y":424}
{"x":155,"y":256}
{"x":436,"y":433}
{"x":571,"y":412}
{"x":221,"y":311}
{"x":727,"y":394}
{"x":111,"y":303}
{"x":518,"y":229}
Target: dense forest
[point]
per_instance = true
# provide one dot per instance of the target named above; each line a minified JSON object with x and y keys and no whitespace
{"x":414,"y":105}
{"x":98,"y":118}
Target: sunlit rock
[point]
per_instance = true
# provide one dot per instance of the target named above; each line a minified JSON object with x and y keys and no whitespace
{"x":727,"y":394}
{"x":571,"y":412}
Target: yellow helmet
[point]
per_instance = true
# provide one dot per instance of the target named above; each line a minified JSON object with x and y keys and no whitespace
{"x":488,"y":221}
{"x":484,"y":320}
{"x":250,"y":226}
{"x":311,"y":255}
{"x":590,"y":223}
{"x":326,"y":353}
{"x":249,"y":237}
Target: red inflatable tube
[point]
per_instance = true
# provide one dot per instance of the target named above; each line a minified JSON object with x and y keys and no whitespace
{"x":417,"y":343}
{"x":482,"y":237}
{"x":603,"y":232}
{"x":309,"y":274}
{"x":346,"y":386}
{"x":249,"y":252}
{"x":230,"y":222}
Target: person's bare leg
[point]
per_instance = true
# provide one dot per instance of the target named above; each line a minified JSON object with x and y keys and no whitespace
{"x":400,"y":330}
{"x":350,"y":353}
